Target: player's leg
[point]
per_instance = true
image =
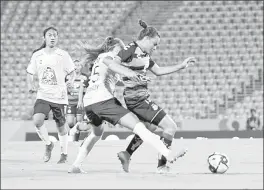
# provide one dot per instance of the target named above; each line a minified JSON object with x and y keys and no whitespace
{"x":149,"y":111}
{"x":79,"y":119}
{"x":127,"y":119}
{"x":62,"y":127}
{"x":145,"y":111}
{"x":71,"y":117}
{"x":133,"y":146}
{"x":169,"y":129}
{"x":89,"y":142}
{"x":41,"y":110}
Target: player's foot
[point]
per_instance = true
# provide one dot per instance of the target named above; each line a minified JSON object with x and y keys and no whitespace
{"x":163,"y":169}
{"x":173,"y":158}
{"x":74,"y":130}
{"x":63,"y":159}
{"x":124,"y":157}
{"x":48,"y":151}
{"x":76,"y":170}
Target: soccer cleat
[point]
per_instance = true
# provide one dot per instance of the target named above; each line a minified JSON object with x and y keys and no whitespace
{"x":48,"y":151}
{"x":124,"y":157}
{"x":163,"y":169}
{"x":76,"y":170}
{"x":180,"y":154}
{"x":63,"y":159}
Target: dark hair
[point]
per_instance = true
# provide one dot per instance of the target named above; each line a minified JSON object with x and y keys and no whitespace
{"x":252,"y":110}
{"x":93,"y":52}
{"x":147,"y":30}
{"x":44,"y":33}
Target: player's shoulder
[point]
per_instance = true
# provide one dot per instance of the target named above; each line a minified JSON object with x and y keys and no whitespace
{"x":38,"y":53}
{"x":61,"y":52}
{"x":132,"y":46}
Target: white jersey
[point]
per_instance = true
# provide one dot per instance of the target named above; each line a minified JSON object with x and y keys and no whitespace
{"x":51,"y":70}
{"x":102,"y":82}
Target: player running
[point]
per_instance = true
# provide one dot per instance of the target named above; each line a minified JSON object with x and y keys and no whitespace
{"x":137,"y":56}
{"x":51,"y":65}
{"x":100,"y":104}
{"x":74,"y":110}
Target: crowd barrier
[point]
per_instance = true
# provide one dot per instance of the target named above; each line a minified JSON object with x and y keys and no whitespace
{"x":207,"y":128}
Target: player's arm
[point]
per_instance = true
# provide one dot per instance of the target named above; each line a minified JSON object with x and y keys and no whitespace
{"x":115,"y":65}
{"x":31,"y":71}
{"x":157,"y":70}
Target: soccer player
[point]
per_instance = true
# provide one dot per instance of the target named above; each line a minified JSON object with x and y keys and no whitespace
{"x":100,"y":104}
{"x":137,"y":56}
{"x":51,"y":64}
{"x":74,"y":111}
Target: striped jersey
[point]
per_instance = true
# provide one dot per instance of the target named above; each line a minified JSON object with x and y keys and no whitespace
{"x":102,"y":81}
{"x":134,"y":58}
{"x":73,"y":93}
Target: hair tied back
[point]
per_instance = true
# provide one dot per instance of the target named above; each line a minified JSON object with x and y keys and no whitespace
{"x":142,"y":24}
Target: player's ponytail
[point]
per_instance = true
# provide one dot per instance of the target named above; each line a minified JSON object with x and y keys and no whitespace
{"x":92,"y":52}
{"x":147,"y":30}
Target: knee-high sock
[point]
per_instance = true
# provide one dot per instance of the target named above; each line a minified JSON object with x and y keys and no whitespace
{"x":134,"y":144}
{"x":85,"y":148}
{"x":151,"y":139}
{"x":162,"y":160}
{"x":43,"y":134}
{"x":63,"y":143}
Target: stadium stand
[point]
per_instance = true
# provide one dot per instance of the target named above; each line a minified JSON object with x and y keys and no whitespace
{"x":226,"y":37}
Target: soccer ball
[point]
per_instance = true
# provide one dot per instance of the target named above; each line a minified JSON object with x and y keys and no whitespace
{"x":218,"y":163}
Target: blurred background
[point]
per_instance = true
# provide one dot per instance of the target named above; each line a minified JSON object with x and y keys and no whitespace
{"x":226,"y":37}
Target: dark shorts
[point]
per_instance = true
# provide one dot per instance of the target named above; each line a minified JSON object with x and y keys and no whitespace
{"x":109,"y":110}
{"x":72,"y":109}
{"x":146,"y":111}
{"x":43,"y":106}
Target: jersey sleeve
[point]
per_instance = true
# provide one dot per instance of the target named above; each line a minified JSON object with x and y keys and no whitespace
{"x":151,"y":63}
{"x":68,"y":63}
{"x":32,"y":66}
{"x":126,"y":54}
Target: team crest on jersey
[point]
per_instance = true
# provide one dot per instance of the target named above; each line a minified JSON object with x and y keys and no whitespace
{"x":154,"y":106}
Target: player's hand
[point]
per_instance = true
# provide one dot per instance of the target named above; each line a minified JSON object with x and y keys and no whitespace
{"x":80,"y":105}
{"x":32,"y":89}
{"x":133,"y":76}
{"x":144,"y":78}
{"x":188,"y":61}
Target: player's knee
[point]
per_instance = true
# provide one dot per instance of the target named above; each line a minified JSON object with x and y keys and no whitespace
{"x":38,"y":122}
{"x":60,"y":121}
{"x":171,"y":129}
{"x":98,"y":131}
{"x":71,"y":124}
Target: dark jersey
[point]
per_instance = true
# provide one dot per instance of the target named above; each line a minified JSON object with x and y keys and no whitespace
{"x":134,"y":58}
{"x":73,"y":93}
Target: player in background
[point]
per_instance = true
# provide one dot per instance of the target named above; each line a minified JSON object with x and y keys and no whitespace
{"x":100,"y":104}
{"x":74,"y":110}
{"x":51,"y":64}
{"x":137,"y":56}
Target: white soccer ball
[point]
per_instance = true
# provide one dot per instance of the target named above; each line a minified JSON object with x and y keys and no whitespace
{"x":218,"y":163}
